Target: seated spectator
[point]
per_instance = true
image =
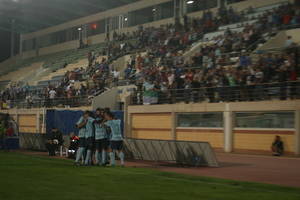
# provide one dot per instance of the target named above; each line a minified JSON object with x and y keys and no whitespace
{"x":159,"y":55}
{"x":277,"y":146}
{"x":54,"y":140}
{"x":288,"y":42}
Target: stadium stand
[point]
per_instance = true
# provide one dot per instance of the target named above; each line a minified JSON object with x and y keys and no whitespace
{"x":231,"y":36}
{"x":223,"y":56}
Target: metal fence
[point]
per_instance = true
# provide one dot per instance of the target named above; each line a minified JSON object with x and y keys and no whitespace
{"x":257,"y":92}
{"x":180,"y":152}
{"x":49,"y":103}
{"x":32,"y":141}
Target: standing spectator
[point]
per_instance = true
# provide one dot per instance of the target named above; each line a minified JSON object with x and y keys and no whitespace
{"x":116,"y":75}
{"x":52,"y":96}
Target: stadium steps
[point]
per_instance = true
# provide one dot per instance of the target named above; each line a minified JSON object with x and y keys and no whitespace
{"x":61,"y":72}
{"x":278,"y":41}
{"x":261,"y":10}
{"x":4,"y":83}
{"x":121,"y":63}
{"x":23,"y":74}
{"x":236,"y":27}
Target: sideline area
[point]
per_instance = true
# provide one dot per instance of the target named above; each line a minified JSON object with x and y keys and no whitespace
{"x":241,"y":167}
{"x":35,"y":177}
{"x":265,"y":169}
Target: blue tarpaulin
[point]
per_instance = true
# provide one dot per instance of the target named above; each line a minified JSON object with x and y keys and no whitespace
{"x":9,"y":143}
{"x":65,"y":120}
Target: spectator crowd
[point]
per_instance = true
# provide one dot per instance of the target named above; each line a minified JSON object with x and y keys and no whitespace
{"x":221,"y":70}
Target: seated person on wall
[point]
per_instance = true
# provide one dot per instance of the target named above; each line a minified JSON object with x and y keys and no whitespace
{"x":54,"y":140}
{"x":277,"y":146}
{"x":74,"y":142}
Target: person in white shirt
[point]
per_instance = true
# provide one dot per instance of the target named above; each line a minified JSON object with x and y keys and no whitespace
{"x":52,"y":95}
{"x":116,"y":75}
{"x":288,"y":42}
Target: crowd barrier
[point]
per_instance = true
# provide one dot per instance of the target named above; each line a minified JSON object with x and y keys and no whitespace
{"x":32,"y":141}
{"x":180,"y":152}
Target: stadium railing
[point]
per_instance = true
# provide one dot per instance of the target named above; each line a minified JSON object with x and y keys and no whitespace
{"x":255,"y":92}
{"x":46,"y":102}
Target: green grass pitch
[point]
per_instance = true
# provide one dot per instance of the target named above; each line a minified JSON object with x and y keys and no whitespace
{"x":24,"y":177}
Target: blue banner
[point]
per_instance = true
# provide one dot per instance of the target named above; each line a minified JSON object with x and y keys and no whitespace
{"x":65,"y":120}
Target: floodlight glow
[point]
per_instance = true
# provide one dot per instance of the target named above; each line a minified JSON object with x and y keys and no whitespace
{"x":79,"y":29}
{"x":190,"y":2}
{"x":125,"y":19}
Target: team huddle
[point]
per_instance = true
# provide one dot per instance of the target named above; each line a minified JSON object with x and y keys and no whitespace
{"x":99,"y":136}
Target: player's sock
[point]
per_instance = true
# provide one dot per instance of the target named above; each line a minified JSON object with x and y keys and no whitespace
{"x":88,"y":157}
{"x":107,"y":157}
{"x":97,"y":157}
{"x":122,"y":157}
{"x":79,"y":154}
{"x":112,"y":158}
{"x":103,"y":157}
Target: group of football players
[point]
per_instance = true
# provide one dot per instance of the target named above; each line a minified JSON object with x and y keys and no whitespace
{"x":100,"y":139}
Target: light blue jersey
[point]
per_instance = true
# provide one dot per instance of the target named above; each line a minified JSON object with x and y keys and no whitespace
{"x":115,"y":126}
{"x":82,"y":131}
{"x":89,"y":127}
{"x":100,"y":131}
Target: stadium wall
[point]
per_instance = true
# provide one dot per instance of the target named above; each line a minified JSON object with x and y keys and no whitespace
{"x":33,"y":120}
{"x":28,"y":120}
{"x":260,"y":140}
{"x":256,"y":4}
{"x":59,"y":47}
{"x":160,"y":122}
{"x":120,"y":11}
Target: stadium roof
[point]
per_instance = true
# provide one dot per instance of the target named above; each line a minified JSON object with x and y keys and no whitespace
{"x":33,"y":15}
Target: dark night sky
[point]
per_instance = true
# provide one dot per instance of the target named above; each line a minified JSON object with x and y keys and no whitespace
{"x":4,"y":45}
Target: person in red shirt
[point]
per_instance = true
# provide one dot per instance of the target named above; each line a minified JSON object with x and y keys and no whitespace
{"x":286,"y":19}
{"x":293,"y":84}
{"x":189,"y":75}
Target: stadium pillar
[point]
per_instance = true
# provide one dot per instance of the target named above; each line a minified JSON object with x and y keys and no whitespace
{"x":44,"y":112}
{"x":222,"y":3}
{"x":297,"y":132}
{"x":12,"y":38}
{"x":108,"y":28}
{"x":173,"y":126}
{"x":17,"y":116}
{"x":38,"y":124}
{"x":228,"y":129}
{"x":180,"y":10}
{"x":127,"y":117}
{"x":21,"y":45}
